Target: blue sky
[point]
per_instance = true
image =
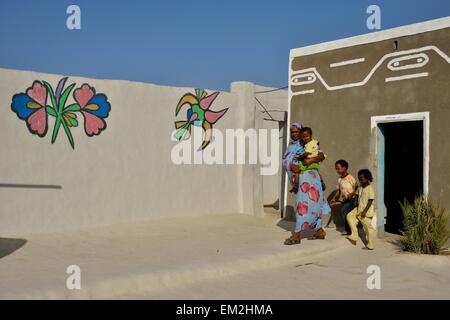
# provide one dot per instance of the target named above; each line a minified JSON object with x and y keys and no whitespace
{"x":193,"y":43}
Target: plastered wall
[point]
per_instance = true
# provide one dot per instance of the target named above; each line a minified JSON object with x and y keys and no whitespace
{"x":123,"y":174}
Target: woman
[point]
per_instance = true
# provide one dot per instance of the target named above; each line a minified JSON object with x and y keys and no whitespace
{"x":310,"y":203}
{"x":294,"y":149}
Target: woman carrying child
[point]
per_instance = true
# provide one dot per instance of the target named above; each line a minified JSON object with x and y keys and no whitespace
{"x":311,"y":204}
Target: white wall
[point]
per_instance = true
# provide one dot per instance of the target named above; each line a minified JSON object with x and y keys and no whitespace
{"x":124,"y":174}
{"x":276,"y":102}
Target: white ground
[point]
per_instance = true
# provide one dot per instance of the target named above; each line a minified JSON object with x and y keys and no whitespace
{"x":215,"y":257}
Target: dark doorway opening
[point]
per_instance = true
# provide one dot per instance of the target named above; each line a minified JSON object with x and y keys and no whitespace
{"x":403,"y":169}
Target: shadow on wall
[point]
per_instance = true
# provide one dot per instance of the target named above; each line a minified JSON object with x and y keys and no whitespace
{"x":275,"y":205}
{"x":8,"y":246}
{"x":29,"y":186}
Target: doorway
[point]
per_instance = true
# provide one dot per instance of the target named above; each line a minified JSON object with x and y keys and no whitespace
{"x":402,"y":164}
{"x":403,"y":175}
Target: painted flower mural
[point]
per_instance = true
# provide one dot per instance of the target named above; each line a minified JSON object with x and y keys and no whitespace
{"x":94,"y":108}
{"x":198,"y":114}
{"x":32,"y":107}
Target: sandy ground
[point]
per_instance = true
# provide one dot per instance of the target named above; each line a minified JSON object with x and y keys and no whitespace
{"x":215,"y":257}
{"x":333,"y":275}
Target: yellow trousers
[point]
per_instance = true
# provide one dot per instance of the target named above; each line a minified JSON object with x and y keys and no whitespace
{"x":353,"y":218}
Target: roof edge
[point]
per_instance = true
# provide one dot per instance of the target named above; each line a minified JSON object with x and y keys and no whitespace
{"x":401,"y":31}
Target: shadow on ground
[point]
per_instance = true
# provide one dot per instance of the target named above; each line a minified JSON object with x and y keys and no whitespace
{"x":395,"y":242}
{"x":289,"y":225}
{"x":8,"y":246}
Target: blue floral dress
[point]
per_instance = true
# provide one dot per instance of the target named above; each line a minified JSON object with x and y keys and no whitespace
{"x":294,"y":149}
{"x":310,"y":202}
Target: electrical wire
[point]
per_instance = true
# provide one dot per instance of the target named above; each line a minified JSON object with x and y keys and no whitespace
{"x":272,"y":90}
{"x":265,"y":109}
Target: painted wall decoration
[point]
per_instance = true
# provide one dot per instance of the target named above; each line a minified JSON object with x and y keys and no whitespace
{"x":412,"y":60}
{"x":198,"y":114}
{"x":32,"y":107}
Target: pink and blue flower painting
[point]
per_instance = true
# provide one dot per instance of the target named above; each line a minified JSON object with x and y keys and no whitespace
{"x":32,"y":107}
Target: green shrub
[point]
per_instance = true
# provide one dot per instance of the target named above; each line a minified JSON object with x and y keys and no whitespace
{"x":426,"y":229}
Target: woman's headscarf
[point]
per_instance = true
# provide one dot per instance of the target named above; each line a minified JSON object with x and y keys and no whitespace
{"x":296,"y":125}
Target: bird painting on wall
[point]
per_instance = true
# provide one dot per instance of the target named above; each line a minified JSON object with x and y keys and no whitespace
{"x":198,"y":114}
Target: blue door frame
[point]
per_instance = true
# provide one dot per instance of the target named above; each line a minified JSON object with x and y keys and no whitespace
{"x":377,"y":125}
{"x":381,"y":207}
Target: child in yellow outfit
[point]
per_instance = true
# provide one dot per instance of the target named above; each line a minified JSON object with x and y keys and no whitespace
{"x":365,"y":211}
{"x":311,"y":150}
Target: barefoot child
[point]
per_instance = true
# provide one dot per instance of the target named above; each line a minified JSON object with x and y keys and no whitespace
{"x":364,"y":212}
{"x":345,"y":193}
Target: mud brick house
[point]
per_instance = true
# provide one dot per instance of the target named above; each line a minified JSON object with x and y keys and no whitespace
{"x":381,"y":101}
